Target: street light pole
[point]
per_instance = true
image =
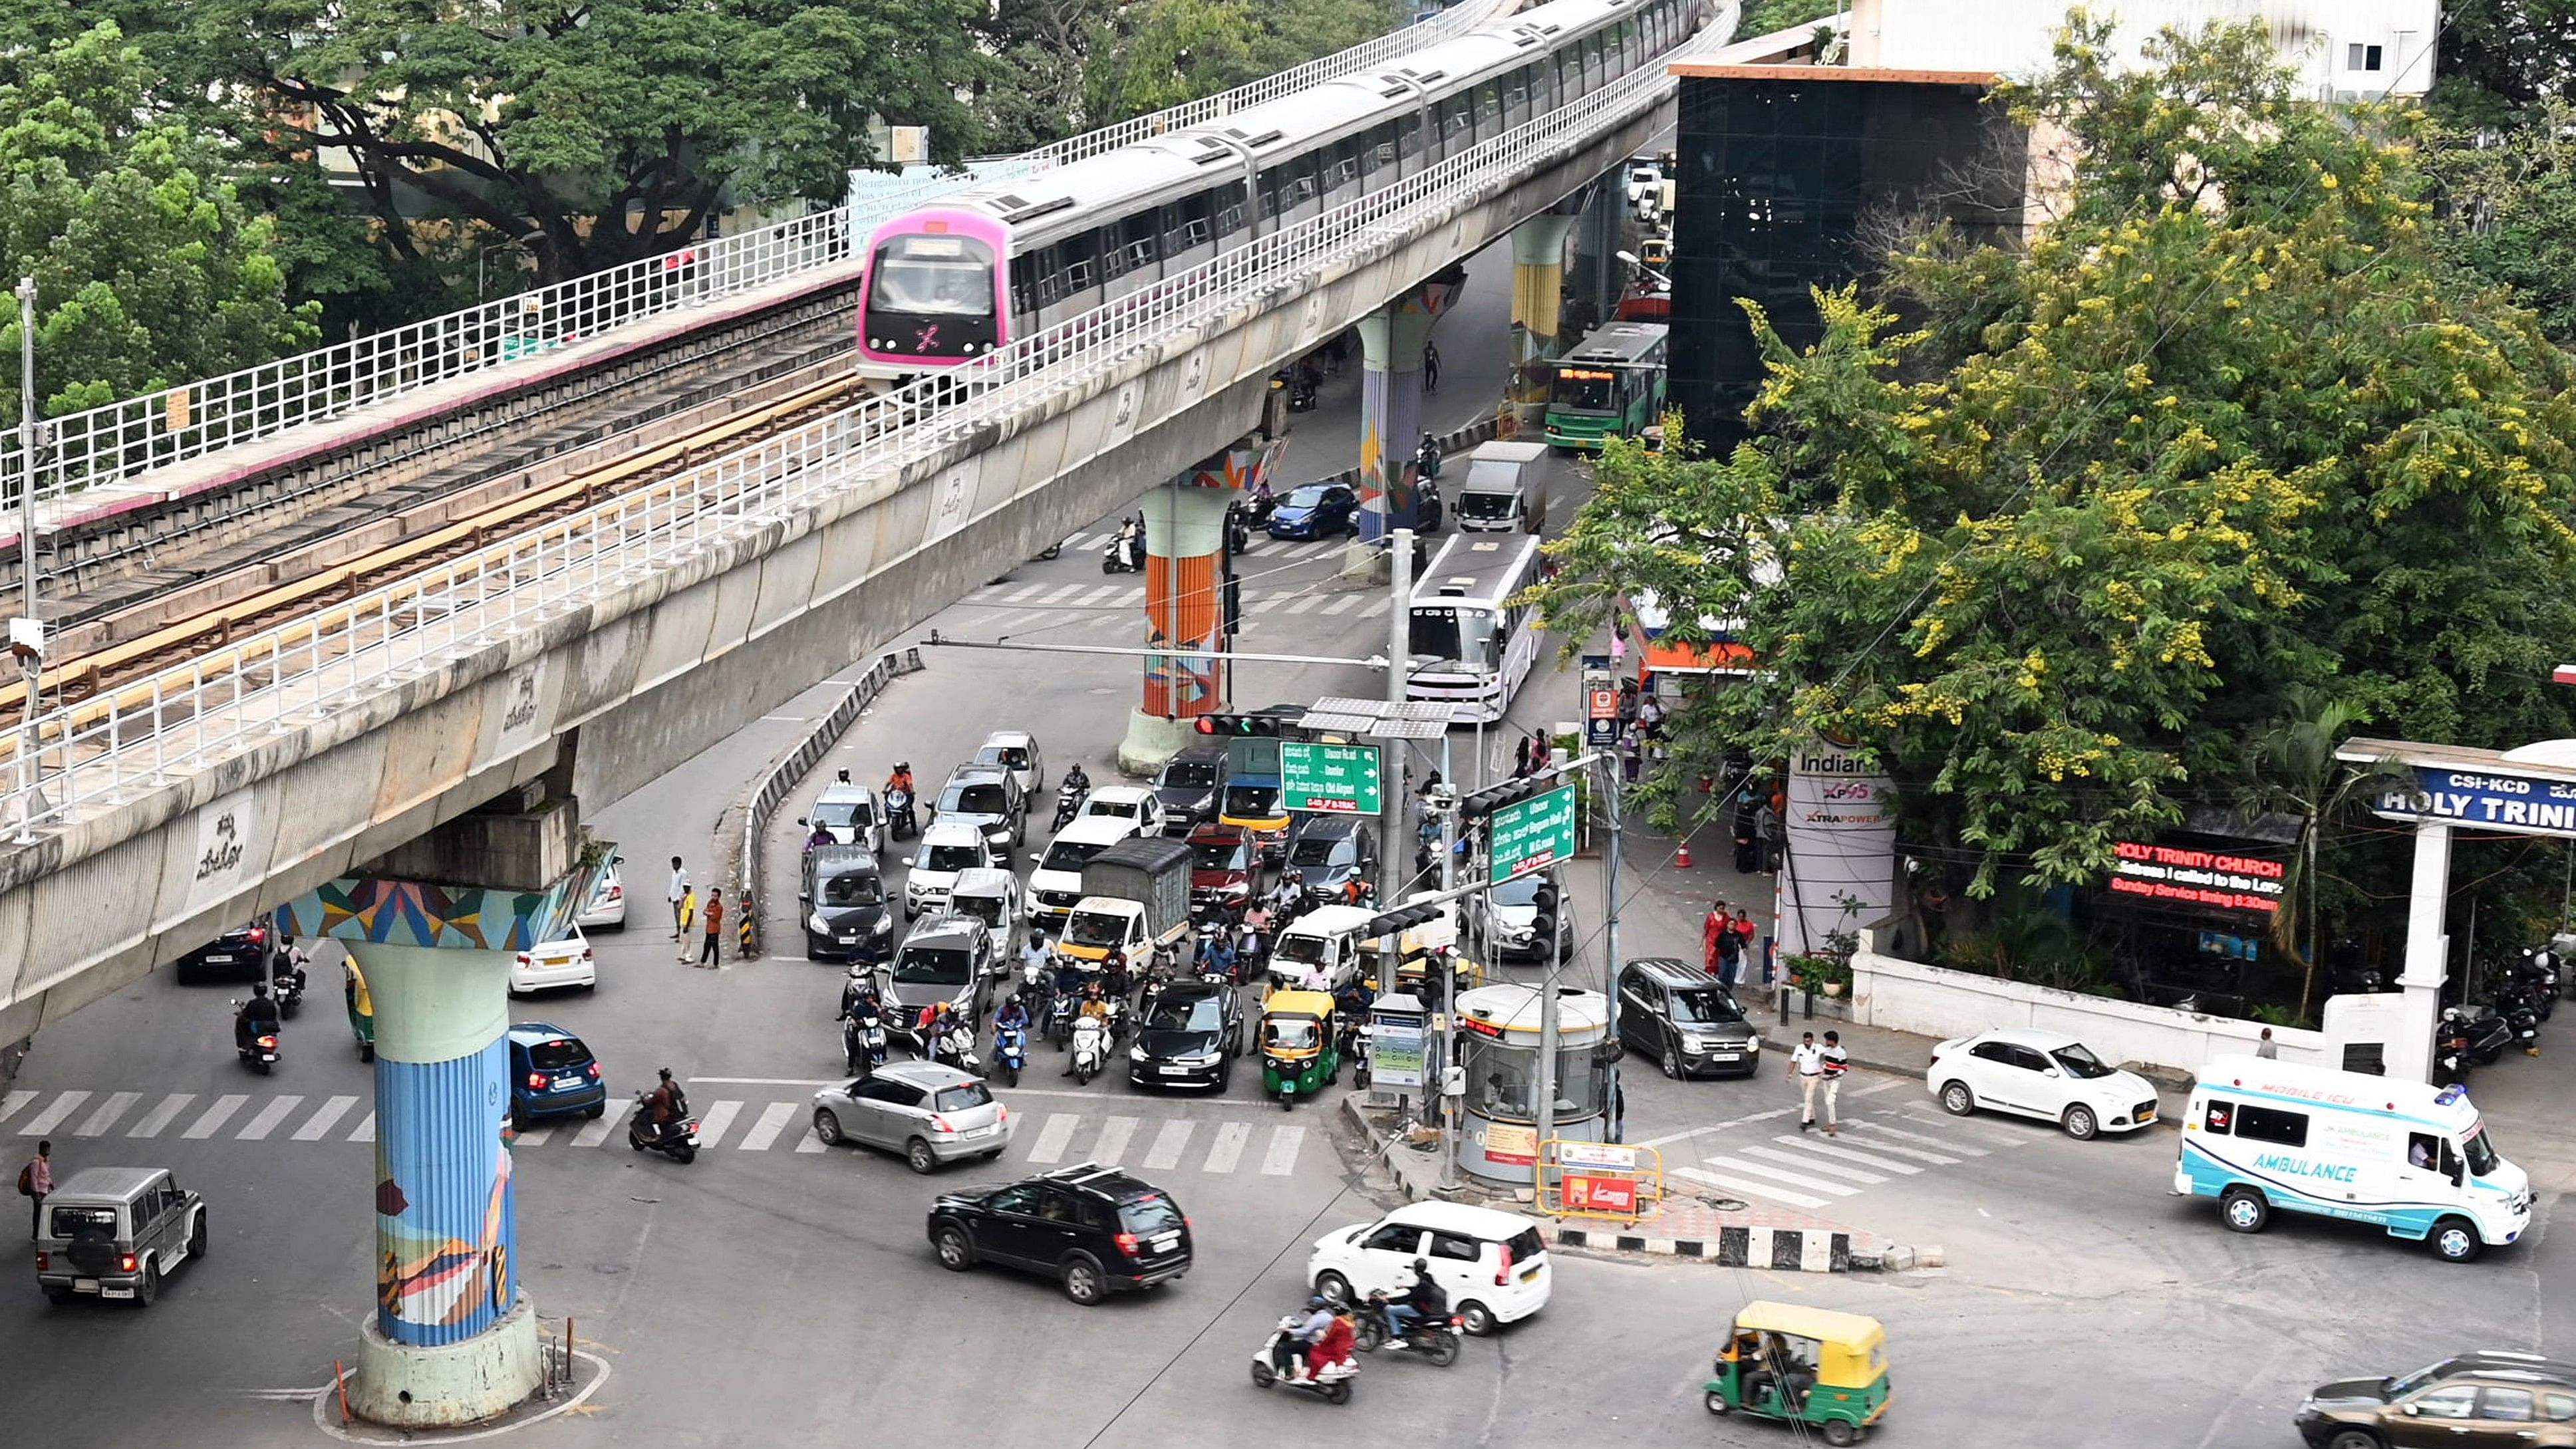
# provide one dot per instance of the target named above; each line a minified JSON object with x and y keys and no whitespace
{"x":27,"y":641}
{"x":1391,"y":861}
{"x":1610,"y":940}
{"x":1448,"y":992}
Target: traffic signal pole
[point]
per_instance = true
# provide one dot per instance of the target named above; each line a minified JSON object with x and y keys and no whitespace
{"x":1393,"y":860}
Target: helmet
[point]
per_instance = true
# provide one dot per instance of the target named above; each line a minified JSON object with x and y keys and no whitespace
{"x":903,"y":764}
{"x":1421,"y":1265}
{"x":1319,"y":1301}
{"x":666,"y":1074}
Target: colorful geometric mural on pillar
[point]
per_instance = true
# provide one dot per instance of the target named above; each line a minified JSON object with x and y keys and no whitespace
{"x":1392,"y":341}
{"x":446,"y":1215}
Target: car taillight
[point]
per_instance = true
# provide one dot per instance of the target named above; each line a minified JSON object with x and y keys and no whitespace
{"x":125,"y":1262}
{"x":1127,"y":1244}
{"x":523,"y":958}
{"x":44,"y":1261}
{"x":940,"y":1124}
{"x":536,"y":1081}
{"x":617,"y":893}
{"x":1503,"y":1274}
{"x":591,"y":1071}
{"x":258,"y":936}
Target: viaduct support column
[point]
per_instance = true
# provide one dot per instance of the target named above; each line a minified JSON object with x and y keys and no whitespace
{"x":1538,"y":310}
{"x":1392,"y":339}
{"x":453,"y":1338}
{"x":1187,"y":569}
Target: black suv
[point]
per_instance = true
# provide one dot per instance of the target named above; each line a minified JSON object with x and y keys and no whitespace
{"x":1187,"y":787}
{"x":1684,"y":1020}
{"x":1330,"y":849}
{"x":1092,"y":1228}
{"x":1188,"y":1038}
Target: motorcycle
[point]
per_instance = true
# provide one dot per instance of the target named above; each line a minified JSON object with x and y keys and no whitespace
{"x":1333,"y":1385}
{"x":1426,"y":459}
{"x":1301,"y":394}
{"x":2488,"y":1034}
{"x":1010,"y":1053}
{"x":1059,"y":1019}
{"x":899,"y":822}
{"x":286,"y":980}
{"x":2538,"y":971}
{"x":258,"y":1051}
{"x":1090,"y":1048}
{"x":1435,"y":1339}
{"x":1264,"y":503}
{"x":1357,"y":1053}
{"x":863,"y":1042}
{"x":1068,"y":804}
{"x":1238,"y":532}
{"x":2515,"y":1004}
{"x":676,"y":1140}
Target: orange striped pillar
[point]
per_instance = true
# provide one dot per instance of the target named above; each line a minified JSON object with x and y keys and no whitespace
{"x":1186,"y":563}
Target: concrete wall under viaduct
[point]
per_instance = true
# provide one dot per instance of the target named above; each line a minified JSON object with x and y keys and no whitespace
{"x":661,"y":668}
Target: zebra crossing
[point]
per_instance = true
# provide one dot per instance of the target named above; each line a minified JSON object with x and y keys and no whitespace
{"x":1047,"y":597}
{"x":1262,"y":544}
{"x":1880,"y":1145}
{"x":1043,"y":1137}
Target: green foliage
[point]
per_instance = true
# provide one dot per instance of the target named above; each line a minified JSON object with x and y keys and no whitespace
{"x":2227,"y":428}
{"x":1816,"y":972}
{"x":150,"y":269}
{"x":1769,"y":17}
{"x":2498,"y":58}
{"x":2509,"y":211}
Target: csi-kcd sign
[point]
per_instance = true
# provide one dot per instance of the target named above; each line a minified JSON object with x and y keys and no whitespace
{"x":2207,"y":879}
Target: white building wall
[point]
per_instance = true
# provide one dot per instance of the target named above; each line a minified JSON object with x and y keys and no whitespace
{"x":2331,"y":42}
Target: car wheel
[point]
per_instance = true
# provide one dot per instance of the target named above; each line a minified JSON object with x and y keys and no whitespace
{"x":1082,"y":1282}
{"x":1476,"y":1318}
{"x":827,"y":1127}
{"x":956,"y":1251}
{"x":147,"y":1291}
{"x":197,"y":1238}
{"x":2353,"y":1439}
{"x":1957,"y":1100}
{"x":595,"y":1110}
{"x":2455,"y":1240}
{"x":1335,"y":1288}
{"x":990,"y":1155}
{"x":918,"y":1156}
{"x":1672,"y":1063}
{"x":590,"y":986}
{"x":58,"y":1296}
{"x":2244,"y":1210}
{"x":2081,"y":1124}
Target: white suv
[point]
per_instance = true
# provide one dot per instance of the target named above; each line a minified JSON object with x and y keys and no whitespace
{"x":946,"y":847}
{"x":1492,"y":1264}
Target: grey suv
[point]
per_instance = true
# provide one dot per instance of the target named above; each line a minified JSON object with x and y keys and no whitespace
{"x":949,"y":959}
{"x":114,"y":1232}
{"x":1683,"y":1019}
{"x":988,"y":799}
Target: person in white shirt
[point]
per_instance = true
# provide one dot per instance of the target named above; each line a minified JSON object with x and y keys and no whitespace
{"x":1807,"y":1062}
{"x":679,"y":888}
{"x":1835,"y":1062}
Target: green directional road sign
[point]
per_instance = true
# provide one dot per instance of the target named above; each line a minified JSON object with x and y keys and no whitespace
{"x":1329,"y":779}
{"x":1535,"y":834}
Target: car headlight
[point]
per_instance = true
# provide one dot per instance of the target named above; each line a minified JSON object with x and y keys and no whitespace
{"x":1198,"y":1059}
{"x":885,"y":924}
{"x":1135,"y":1054}
{"x":1753,"y":1045}
{"x":814,"y":923}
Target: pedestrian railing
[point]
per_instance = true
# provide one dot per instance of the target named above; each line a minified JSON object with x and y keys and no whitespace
{"x":181,"y":720}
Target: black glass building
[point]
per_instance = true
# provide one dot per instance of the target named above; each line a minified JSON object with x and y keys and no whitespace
{"x":1790,"y":176}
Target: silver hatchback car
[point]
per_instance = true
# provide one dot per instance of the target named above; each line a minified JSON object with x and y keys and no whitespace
{"x":929,"y":1112}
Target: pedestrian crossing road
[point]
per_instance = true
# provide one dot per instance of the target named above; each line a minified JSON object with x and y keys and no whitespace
{"x":1052,"y":1128}
{"x":1886,"y":1139}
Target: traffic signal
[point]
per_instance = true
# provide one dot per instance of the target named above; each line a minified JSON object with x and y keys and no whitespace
{"x":1495,"y":797}
{"x":1403,"y":918}
{"x":1233,"y":603}
{"x":1237,"y":726}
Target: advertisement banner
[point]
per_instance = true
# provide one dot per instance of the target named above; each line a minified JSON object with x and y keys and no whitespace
{"x":1396,"y":1053}
{"x":1584,"y":1193}
{"x":1839,"y":871}
{"x":2193,"y":878}
{"x":1507,"y":1143}
{"x":1608,"y":1155}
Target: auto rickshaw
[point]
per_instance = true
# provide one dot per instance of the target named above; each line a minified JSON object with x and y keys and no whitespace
{"x":1299,"y":1054}
{"x":362,"y":1009}
{"x":1801,"y":1365}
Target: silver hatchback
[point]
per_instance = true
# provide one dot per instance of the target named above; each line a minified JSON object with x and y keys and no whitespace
{"x":928,"y":1112}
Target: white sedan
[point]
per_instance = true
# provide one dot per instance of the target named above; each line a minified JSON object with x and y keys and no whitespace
{"x":2044,"y":1074}
{"x":564,"y":962}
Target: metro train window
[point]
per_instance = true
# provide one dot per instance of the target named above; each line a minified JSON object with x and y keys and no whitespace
{"x":1024,"y":297}
{"x":1456,"y":115}
{"x":1569,"y":74}
{"x":1228,"y":208}
{"x":1270,"y":195}
{"x":1185,"y":223}
{"x":1297,"y":183}
{"x":1489,"y":109}
{"x":1377,"y":148}
{"x":1343,"y":163}
{"x":1409,"y":134}
{"x":1516,"y":92}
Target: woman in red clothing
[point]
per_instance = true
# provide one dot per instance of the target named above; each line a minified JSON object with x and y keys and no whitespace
{"x":1333,"y":1345}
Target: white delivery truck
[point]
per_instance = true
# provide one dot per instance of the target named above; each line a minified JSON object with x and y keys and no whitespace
{"x":2265,"y":1136}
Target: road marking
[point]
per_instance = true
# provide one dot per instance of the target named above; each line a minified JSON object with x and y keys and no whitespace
{"x":1982,"y":1132}
{"x":1688,"y":1132}
{"x":324,"y":1118}
{"x":105,"y":1117}
{"x":1879,"y":1128}
{"x":268,"y":1118}
{"x":1169,"y":1144}
{"x":1114,"y":1136}
{"x":773,"y":1120}
{"x":365,"y":1131}
{"x":1061,"y":592}
{"x":1095,"y":596}
{"x":809,"y":1142}
{"x":1305,"y":602}
{"x":1883,"y":1164}
{"x":535,"y":1136}
{"x":1281,"y":1159}
{"x":1920,"y":1154}
{"x":1798,"y":1160}
{"x":712,"y":1126}
{"x":1055,"y":1136}
{"x":1874,"y":1088}
{"x":1228,"y":1148}
{"x":1737,"y":1164}
{"x":1782,"y":1194}
{"x":1081,"y":541}
{"x":595,"y":1133}
{"x":50,"y":1118}
{"x":15,"y":1100}
{"x":1344,"y":604}
{"x":159,"y":1117}
{"x":1022,"y":592}
{"x":215,"y":1117}
{"x":1266,"y":604}
{"x":1375,"y":607}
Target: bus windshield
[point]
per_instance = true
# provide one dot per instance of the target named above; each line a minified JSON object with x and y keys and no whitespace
{"x":1451,"y":633}
{"x":933,"y":276}
{"x":1584,"y":389}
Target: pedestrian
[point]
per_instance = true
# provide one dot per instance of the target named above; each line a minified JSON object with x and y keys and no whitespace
{"x":1713,"y":933}
{"x":1807,"y":1064}
{"x":688,"y":913}
{"x":1730,"y":958}
{"x":1618,"y":1108}
{"x":1520,"y":757}
{"x":707,"y":954}
{"x":35,"y":1181}
{"x":1744,"y":940}
{"x":2267,"y":1049}
{"x":679,"y":892}
{"x":1619,"y":651}
{"x":1836,"y":1063}
{"x":1632,"y":753}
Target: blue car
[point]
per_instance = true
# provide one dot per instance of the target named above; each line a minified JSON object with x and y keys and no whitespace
{"x":552,"y":1075}
{"x":1318,"y":510}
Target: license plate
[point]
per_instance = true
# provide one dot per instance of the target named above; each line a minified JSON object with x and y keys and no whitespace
{"x":219,"y":960}
{"x":1726,"y":1056}
{"x":116,"y":1293}
{"x":1166,"y":1243}
{"x":566,"y":1084}
{"x":1176,"y":1071}
{"x":987,"y":1130}
{"x":84,"y":1285}
{"x":851,"y":939}
{"x":1287,"y":1089}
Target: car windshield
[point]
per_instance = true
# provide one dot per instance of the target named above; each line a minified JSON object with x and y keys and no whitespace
{"x":1168,"y":1014}
{"x":987,"y":909}
{"x":1090,"y":928}
{"x":1705,"y":1006}
{"x":1521,"y":892}
{"x":1123,"y":809}
{"x":70,"y":1220}
{"x":563,"y":1051}
{"x":1484,"y":505}
{"x":1070,"y":854}
{"x":960,"y":1097}
{"x":854,"y":888}
{"x":1251,"y":802}
{"x":1310,"y":496}
{"x":838,"y":814}
{"x":1217,"y":855}
{"x":984,"y":798}
{"x":934,"y":966}
{"x":1304,"y":950}
{"x":2400,"y":1387}
{"x":2478,"y":1150}
{"x":1189,"y":775}
{"x":949,"y":858}
{"x":1312,"y":852}
{"x":1150,"y":1216}
{"x":2081,"y":1063}
{"x":1291,"y":1033}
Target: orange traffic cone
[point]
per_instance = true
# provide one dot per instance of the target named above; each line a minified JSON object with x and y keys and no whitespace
{"x":1681,"y":857}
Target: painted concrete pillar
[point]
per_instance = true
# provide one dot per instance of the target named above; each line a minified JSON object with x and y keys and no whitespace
{"x":1392,"y":340}
{"x":2428,"y":949}
{"x":453,"y":1339}
{"x":1538,"y":312}
{"x":1186,"y":563}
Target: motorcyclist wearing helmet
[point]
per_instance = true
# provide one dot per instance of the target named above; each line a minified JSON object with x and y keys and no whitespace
{"x":258,"y":1015}
{"x":1074,"y":777}
{"x":1423,"y":1302}
{"x":900,"y":778}
{"x":1289,"y":1356}
{"x":1010,"y":1014}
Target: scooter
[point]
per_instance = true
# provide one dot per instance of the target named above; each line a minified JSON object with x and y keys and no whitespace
{"x":1427,"y":1338}
{"x":1360,"y":1038}
{"x":1090,"y":1048}
{"x":1010,"y":1053}
{"x":1238,"y":534}
{"x":1059,"y":1019}
{"x":863,"y":1041}
{"x":286,"y":978}
{"x":1333,"y":1385}
{"x":1264,"y":503}
{"x":257,"y":1051}
{"x":956,"y":1048}
{"x":1426,"y":459}
{"x":2515,"y":1004}
{"x":1120,"y":556}
{"x":2488,"y":1034}
{"x":1068,"y":804}
{"x":677,"y":1141}
{"x":1301,"y":395}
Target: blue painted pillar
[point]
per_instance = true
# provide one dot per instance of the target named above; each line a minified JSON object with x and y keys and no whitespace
{"x":1391,"y":340}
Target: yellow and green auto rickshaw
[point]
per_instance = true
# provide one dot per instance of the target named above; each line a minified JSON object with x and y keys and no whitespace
{"x":362,"y":1010}
{"x":1298,"y":1052}
{"x":1800,"y":1365}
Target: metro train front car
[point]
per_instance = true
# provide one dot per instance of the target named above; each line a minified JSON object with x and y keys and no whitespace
{"x":931,"y":296}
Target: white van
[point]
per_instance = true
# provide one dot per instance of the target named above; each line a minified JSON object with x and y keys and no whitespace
{"x":2261,"y":1136}
{"x":1055,"y":882}
{"x":1502,"y":491}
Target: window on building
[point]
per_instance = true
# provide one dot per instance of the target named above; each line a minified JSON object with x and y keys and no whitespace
{"x":2361,"y":57}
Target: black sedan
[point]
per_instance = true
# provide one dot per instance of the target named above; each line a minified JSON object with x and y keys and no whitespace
{"x":1188,"y":1038}
{"x":240,"y":954}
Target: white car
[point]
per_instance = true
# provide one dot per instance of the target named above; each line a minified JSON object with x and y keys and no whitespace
{"x":606,"y":909}
{"x":564,"y":962}
{"x":1493,"y":1265}
{"x":946,"y":847}
{"x":2043,"y":1074}
{"x":1135,"y":804}
{"x":1055,"y":882}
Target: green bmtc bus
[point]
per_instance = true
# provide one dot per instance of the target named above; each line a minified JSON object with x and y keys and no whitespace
{"x":1613,"y":382}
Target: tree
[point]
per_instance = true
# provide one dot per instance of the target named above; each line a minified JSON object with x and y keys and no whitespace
{"x":150,"y":269}
{"x":2500,"y":58}
{"x":2228,"y":427}
{"x":2509,"y":210}
{"x":597,"y":132}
